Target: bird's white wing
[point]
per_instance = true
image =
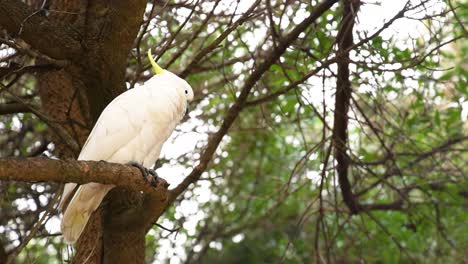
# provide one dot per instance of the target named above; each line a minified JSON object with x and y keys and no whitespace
{"x":109,"y":134}
{"x":119,"y":123}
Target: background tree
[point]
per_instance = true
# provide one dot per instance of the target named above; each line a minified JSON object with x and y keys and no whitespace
{"x":322,"y":131}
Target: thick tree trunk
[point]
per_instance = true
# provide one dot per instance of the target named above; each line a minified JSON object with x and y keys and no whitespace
{"x":76,"y":95}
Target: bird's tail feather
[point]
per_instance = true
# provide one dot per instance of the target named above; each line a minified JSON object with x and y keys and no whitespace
{"x":86,"y":200}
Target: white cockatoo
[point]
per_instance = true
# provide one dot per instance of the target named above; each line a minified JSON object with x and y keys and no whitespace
{"x":131,"y":129}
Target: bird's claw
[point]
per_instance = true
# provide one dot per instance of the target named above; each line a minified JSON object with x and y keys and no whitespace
{"x":153,"y":180}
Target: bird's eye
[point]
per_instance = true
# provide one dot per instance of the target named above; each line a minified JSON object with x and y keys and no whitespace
{"x":186,"y":92}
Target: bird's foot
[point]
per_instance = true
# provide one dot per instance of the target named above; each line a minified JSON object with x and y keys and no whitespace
{"x":149,"y":175}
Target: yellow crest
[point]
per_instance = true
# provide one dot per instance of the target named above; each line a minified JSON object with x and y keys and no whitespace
{"x":156,"y":68}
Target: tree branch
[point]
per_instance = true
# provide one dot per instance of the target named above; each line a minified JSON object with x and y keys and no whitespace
{"x":81,"y":172}
{"x":13,"y":108}
{"x":342,"y":101}
{"x":270,"y":58}
{"x":53,"y":40}
{"x":218,"y":40}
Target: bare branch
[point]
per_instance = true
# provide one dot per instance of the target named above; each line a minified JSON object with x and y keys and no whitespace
{"x":234,"y":110}
{"x":13,"y":108}
{"x":342,"y":101}
{"x":216,"y":42}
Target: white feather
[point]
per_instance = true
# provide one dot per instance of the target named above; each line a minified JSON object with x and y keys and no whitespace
{"x":132,"y":128}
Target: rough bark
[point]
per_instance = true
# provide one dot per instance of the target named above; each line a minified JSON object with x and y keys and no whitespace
{"x":63,"y":100}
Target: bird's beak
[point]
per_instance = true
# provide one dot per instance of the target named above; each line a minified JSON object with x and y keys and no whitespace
{"x":187,"y":110}
{"x":156,"y":68}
